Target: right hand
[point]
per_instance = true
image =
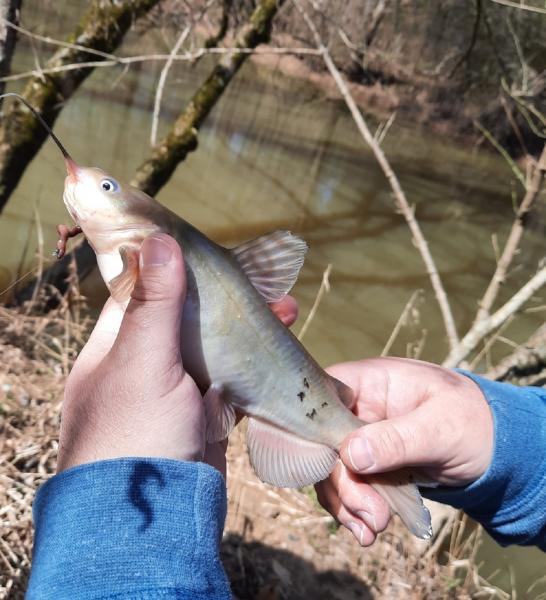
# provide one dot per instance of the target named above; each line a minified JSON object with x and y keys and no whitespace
{"x":419,"y":415}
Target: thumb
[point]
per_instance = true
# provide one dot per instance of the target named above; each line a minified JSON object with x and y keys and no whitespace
{"x":151,"y":324}
{"x":391,"y":444}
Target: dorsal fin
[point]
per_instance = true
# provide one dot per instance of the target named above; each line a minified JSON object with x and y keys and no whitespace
{"x":272,"y":262}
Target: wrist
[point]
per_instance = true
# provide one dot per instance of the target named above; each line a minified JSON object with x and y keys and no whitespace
{"x":509,"y":498}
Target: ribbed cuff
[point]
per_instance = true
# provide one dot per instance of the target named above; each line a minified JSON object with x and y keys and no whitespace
{"x":510,"y":498}
{"x":134,"y":526}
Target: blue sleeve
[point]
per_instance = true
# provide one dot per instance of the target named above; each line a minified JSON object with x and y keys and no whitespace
{"x":509,"y":500}
{"x":134,"y":528}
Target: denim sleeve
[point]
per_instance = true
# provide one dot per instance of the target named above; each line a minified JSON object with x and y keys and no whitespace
{"x":138,"y":528}
{"x":509,"y":500}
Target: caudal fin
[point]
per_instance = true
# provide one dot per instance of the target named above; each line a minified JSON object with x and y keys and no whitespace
{"x":404,"y":499}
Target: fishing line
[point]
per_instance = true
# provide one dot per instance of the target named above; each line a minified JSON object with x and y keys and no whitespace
{"x":41,"y":119}
{"x":27,"y":274}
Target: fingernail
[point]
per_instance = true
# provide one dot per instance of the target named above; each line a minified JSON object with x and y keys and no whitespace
{"x":357,"y":531}
{"x":360,"y":454}
{"x":155,"y":252}
{"x":368,"y":518}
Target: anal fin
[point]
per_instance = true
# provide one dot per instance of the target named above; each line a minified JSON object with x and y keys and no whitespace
{"x":285,"y":460}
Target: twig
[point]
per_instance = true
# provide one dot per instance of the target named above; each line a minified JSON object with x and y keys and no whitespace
{"x":324,"y":288}
{"x":130,"y":60}
{"x":399,"y":194}
{"x":489,"y":324}
{"x":521,"y":6}
{"x":400,"y":323}
{"x":514,"y":238}
{"x":515,"y":169}
{"x":161,"y":82}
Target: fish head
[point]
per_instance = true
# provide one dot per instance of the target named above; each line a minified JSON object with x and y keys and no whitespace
{"x":108,"y":211}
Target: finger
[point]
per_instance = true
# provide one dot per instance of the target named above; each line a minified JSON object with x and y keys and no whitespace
{"x":151,"y":325}
{"x":415,"y":439}
{"x":360,"y":498}
{"x":286,"y":310}
{"x":328,"y":498}
{"x":102,"y":337}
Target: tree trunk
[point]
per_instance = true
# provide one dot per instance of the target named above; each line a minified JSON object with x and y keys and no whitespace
{"x":9,"y":11}
{"x":102,"y":28}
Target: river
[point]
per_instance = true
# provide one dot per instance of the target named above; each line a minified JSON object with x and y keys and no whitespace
{"x":276,"y":153}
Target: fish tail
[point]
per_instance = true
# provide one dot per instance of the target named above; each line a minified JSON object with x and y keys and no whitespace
{"x":404,"y":499}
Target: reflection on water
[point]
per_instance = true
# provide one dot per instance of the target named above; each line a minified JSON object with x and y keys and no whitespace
{"x":276,"y":154}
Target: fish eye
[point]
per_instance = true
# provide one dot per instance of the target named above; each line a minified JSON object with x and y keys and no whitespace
{"x":109,"y":185}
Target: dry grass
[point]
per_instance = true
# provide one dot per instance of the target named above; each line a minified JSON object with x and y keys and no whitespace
{"x":278,"y":544}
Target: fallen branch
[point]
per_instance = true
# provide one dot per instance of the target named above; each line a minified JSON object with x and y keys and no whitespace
{"x":489,"y":324}
{"x":399,"y":195}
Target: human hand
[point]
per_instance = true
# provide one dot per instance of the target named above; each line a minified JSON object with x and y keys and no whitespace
{"x":128,"y":393}
{"x":419,"y":415}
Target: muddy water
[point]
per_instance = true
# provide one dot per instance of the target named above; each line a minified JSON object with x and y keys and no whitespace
{"x":277,"y":154}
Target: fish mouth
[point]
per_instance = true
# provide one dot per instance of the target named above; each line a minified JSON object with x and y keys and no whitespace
{"x":72,"y":169}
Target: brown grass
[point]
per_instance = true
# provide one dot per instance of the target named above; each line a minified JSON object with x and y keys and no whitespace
{"x":278,"y":544}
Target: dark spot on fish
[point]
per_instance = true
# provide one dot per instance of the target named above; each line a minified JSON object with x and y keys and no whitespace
{"x":301,"y":396}
{"x":311,"y":415}
{"x":411,"y":477}
{"x":305,"y":382}
{"x":324,"y":404}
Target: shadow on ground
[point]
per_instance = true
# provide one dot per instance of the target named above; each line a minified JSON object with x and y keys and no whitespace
{"x":261,"y":572}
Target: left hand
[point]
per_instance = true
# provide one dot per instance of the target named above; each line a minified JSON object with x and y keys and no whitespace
{"x":128,"y":393}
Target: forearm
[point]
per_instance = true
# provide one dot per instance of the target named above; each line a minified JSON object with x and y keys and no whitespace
{"x":510,"y":498}
{"x":128,"y":527}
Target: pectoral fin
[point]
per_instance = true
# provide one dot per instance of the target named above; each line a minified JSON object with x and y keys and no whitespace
{"x":122,"y":285}
{"x":220,"y":415}
{"x":272,"y":262}
{"x":404,"y":499}
{"x":284,"y":460}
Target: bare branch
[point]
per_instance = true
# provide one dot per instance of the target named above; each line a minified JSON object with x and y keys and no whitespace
{"x":161,"y":82}
{"x":521,"y":6}
{"x":514,"y":238}
{"x":401,"y":321}
{"x":489,"y":324}
{"x":324,"y":288}
{"x":399,"y":194}
{"x":130,"y":60}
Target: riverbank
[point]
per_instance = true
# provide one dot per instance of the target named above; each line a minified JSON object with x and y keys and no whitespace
{"x":277,"y":543}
